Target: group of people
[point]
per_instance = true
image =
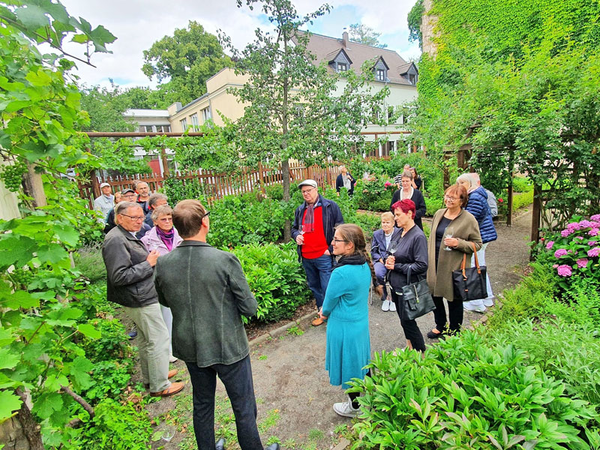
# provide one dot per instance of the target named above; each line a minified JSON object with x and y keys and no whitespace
{"x":156,"y":278}
{"x":339,"y":271}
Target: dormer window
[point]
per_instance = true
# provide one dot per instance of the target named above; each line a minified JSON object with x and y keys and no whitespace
{"x":380,"y":75}
{"x":412,"y":78}
{"x":380,"y":70}
{"x":342,"y":67}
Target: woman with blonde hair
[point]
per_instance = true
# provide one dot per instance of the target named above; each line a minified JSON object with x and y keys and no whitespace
{"x":346,"y":307}
{"x":454,"y":233}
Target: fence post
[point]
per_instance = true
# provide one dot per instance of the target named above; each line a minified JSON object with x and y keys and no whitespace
{"x":261,"y":180}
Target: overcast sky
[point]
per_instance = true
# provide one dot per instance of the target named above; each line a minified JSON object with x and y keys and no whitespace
{"x":138,"y":24}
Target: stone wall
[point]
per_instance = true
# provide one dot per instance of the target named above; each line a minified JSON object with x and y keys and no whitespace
{"x":11,"y":435}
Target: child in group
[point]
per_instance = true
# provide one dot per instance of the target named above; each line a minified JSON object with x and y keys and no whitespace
{"x":380,"y":248}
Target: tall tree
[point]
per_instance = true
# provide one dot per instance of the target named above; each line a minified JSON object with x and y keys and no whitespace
{"x":105,"y":107}
{"x":183,"y":62}
{"x":365,"y":35}
{"x":297,"y":109}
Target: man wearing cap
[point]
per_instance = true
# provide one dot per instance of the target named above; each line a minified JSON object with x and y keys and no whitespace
{"x":105,"y":203}
{"x":314,"y":226}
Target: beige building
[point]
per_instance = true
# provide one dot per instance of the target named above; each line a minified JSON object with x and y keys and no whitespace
{"x":389,"y":69}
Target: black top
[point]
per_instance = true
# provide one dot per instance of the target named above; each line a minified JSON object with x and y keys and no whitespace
{"x":439,"y":236}
{"x":410,"y":251}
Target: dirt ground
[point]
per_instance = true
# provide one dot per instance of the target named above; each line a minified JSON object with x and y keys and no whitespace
{"x":289,"y":375}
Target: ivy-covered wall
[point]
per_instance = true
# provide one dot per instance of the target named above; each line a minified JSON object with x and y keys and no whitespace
{"x":523,"y":77}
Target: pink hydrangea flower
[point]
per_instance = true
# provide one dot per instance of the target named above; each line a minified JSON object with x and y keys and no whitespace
{"x":549,"y":245}
{"x":582,"y":263}
{"x":573,"y":226}
{"x":560,"y":252}
{"x":565,"y":233}
{"x":592,"y":243}
{"x":595,"y":217}
{"x":554,"y":266}
{"x":579,"y":237}
{"x":593,"y":232}
{"x":585,"y":224}
{"x":593,"y":252}
{"x":564,"y":270}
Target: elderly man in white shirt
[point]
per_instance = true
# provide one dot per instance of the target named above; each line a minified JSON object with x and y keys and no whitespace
{"x":106,"y":202}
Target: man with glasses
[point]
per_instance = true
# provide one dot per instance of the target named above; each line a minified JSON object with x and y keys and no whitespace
{"x":314,"y":226}
{"x":129,"y":271}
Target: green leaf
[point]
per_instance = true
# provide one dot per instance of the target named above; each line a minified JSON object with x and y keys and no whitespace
{"x":9,"y":403}
{"x":19,"y":299}
{"x":39,"y":78}
{"x":89,"y":330}
{"x":67,"y":234}
{"x":80,"y":369}
{"x":8,"y":360}
{"x":47,"y":404}
{"x":17,"y":250}
{"x":33,"y":17}
{"x":52,"y":253}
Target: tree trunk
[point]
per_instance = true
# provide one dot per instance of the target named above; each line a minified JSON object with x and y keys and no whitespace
{"x":34,"y":187}
{"x":285,"y":173}
{"x":31,"y":428}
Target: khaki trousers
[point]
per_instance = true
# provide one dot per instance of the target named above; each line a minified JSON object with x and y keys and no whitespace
{"x":154,"y":345}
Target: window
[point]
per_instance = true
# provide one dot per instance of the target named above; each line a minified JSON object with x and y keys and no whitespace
{"x":148,"y":129}
{"x":163,"y":128}
{"x":412,"y":78}
{"x":183,"y":123}
{"x":195,"y":123}
{"x":206,"y":115}
{"x":342,"y":67}
{"x":380,"y":75}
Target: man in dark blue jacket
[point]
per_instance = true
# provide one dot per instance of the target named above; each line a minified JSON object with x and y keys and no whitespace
{"x":314,"y":226}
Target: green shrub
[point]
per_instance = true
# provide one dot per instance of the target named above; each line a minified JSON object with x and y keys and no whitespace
{"x":89,"y":262}
{"x":176,"y":190}
{"x":466,"y":393}
{"x":522,"y":184}
{"x":565,"y":350}
{"x":276,"y":279}
{"x":375,"y":195}
{"x":115,"y":427}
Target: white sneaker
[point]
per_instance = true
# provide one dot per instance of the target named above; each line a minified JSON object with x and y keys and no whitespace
{"x":392,"y":306}
{"x":385,"y":306}
{"x":474,"y":308}
{"x":172,"y":359}
{"x":488,"y":301}
{"x":345,"y":409}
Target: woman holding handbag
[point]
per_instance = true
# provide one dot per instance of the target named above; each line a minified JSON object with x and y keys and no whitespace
{"x":409,"y":256}
{"x":454,"y":233}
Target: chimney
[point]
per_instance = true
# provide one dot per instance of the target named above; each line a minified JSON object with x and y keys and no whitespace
{"x":345,"y":38}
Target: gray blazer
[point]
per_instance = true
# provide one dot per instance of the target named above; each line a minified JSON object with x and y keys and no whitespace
{"x":208,"y":293}
{"x":129,"y":275}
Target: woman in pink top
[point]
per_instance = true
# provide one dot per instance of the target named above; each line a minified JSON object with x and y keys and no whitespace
{"x":163,"y":237}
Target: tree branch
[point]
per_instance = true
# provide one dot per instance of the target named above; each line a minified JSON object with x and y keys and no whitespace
{"x":79,"y":400}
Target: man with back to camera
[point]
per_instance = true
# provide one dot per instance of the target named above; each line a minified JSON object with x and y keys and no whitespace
{"x":314,"y":226}
{"x":129,"y":272}
{"x":208,"y":332}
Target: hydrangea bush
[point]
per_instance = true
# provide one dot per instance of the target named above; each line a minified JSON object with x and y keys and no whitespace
{"x":574,"y":252}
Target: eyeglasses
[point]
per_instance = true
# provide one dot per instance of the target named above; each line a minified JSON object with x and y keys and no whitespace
{"x":206,"y":215}
{"x":136,"y":218}
{"x":450,"y":199}
{"x":306,"y":191}
{"x":339,"y":240}
{"x":166,"y":219}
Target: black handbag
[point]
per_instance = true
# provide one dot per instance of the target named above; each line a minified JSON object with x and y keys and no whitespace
{"x":417,"y":299}
{"x":470,"y":282}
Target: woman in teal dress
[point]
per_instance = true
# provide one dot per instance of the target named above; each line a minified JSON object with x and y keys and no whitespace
{"x":346,"y":307}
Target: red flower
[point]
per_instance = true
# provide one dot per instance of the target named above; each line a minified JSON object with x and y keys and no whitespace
{"x":500,"y":200}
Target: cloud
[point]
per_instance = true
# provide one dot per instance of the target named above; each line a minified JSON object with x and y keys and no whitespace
{"x":138,"y":24}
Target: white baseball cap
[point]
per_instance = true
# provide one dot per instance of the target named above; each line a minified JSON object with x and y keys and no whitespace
{"x":104,"y":184}
{"x":308,"y":182}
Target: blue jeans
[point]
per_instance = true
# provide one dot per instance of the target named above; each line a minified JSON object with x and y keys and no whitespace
{"x":237,"y":378}
{"x":380,"y":272}
{"x":318,"y":272}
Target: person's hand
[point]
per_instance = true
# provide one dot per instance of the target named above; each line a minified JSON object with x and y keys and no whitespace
{"x":451,"y":242}
{"x":389,"y":262}
{"x":300,"y":239}
{"x":327,"y":252}
{"x":152,"y":257}
{"x":321,"y":314}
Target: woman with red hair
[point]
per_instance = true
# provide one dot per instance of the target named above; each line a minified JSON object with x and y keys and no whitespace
{"x":409,"y":253}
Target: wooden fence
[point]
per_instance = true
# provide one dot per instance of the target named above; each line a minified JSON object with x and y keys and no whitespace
{"x":216,"y":185}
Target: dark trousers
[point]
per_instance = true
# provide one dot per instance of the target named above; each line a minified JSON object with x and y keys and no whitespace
{"x":318,"y":272}
{"x":455,"y":312}
{"x":237,"y":378}
{"x":410,"y":327}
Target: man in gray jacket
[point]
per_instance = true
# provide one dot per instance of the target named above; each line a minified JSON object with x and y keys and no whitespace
{"x":208,"y":293}
{"x":129,"y":271}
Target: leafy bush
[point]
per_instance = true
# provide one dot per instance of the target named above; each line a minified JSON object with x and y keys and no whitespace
{"x":466,"y":393}
{"x":375,"y":195}
{"x":115,"y":427}
{"x":576,"y":360}
{"x":88,"y":261}
{"x":276,"y":279}
{"x":522,"y":184}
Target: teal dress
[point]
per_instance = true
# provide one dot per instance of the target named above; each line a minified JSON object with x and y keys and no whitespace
{"x":346,"y":306}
